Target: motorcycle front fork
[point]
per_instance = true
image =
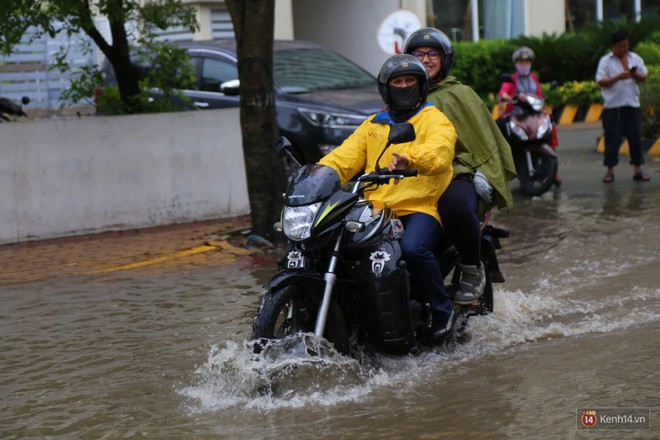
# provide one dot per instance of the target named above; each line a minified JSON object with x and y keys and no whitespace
{"x":330,"y":278}
{"x":530,"y":166}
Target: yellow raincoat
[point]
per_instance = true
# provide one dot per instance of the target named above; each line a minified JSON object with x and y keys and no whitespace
{"x":431,"y":154}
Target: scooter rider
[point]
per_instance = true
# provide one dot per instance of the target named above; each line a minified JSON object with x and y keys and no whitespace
{"x":483,"y":164}
{"x":524,"y":80}
{"x":403,"y":85}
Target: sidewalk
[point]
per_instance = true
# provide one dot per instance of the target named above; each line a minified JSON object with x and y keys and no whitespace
{"x":165,"y":248}
{"x":174,"y":247}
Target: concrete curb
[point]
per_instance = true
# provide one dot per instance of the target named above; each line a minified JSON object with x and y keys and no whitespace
{"x":654,"y":150}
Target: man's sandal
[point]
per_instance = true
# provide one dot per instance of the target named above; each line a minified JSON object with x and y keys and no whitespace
{"x":608,"y":178}
{"x":642,"y":177}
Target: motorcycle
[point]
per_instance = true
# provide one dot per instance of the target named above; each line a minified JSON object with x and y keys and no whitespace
{"x":528,"y":129}
{"x":343,"y":276}
{"x":9,"y":109}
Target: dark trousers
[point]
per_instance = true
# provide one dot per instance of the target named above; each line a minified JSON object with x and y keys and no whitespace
{"x":617,"y":123}
{"x":423,"y":234}
{"x":458,"y":210}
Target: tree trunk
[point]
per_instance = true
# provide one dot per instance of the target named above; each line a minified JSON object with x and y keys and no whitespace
{"x":253,"y":25}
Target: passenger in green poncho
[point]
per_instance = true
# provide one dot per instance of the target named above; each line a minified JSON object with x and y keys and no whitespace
{"x":483,"y":164}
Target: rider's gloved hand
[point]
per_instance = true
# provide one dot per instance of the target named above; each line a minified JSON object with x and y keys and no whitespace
{"x":483,"y":187}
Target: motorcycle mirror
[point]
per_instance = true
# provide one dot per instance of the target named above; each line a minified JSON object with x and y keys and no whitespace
{"x":282,"y":146}
{"x":401,"y":133}
{"x":506,"y":77}
{"x":231,"y":87}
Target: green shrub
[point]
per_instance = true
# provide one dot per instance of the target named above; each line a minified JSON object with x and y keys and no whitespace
{"x":649,"y":97}
{"x":598,"y":33}
{"x":572,"y":92}
{"x":567,"y":57}
{"x":650,"y":53}
{"x":480,"y":64}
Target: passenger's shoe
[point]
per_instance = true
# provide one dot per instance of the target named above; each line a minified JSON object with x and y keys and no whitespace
{"x":473,"y":282}
{"x":442,"y":331}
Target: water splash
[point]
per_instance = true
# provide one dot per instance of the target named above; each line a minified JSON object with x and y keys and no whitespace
{"x":303,"y":370}
{"x":287,"y":373}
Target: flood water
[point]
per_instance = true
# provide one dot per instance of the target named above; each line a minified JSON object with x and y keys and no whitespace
{"x":141,"y":354}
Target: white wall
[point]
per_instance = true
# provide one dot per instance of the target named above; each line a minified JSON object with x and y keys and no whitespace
{"x":349,"y":27}
{"x":93,"y":174}
{"x":283,"y":26}
{"x":544,"y":16}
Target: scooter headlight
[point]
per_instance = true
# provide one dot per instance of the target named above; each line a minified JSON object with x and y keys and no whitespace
{"x":297,"y":221}
{"x":536,"y":103}
{"x":544,"y":128}
{"x":518,"y":131}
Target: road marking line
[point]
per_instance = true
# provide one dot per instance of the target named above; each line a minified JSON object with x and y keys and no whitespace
{"x":193,"y":251}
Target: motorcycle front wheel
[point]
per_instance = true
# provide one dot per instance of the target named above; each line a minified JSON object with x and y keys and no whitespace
{"x":541,"y":177}
{"x":292,"y":309}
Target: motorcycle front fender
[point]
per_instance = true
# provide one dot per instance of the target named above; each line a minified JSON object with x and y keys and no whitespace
{"x":302,"y":277}
{"x":542,"y":149}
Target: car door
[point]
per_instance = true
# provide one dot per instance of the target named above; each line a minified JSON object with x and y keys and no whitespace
{"x":214,"y":68}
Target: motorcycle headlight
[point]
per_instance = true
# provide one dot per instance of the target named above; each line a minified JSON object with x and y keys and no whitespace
{"x":297,"y":221}
{"x":332,"y":120}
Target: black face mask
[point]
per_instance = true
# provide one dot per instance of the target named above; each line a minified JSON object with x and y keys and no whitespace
{"x":405,"y":98}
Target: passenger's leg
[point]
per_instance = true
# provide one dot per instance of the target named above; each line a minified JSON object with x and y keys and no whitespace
{"x":458,"y":211}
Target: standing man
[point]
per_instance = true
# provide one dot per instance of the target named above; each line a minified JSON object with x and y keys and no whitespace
{"x":618,"y":74}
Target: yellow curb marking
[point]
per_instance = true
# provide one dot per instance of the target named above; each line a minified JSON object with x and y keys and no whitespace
{"x":594,"y":112}
{"x":193,"y":251}
{"x":625,"y":148}
{"x":568,"y":114}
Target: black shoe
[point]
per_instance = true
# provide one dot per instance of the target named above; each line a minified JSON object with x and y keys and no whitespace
{"x":440,"y":333}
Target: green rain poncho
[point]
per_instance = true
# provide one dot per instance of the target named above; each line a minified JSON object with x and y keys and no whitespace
{"x":480,"y":145}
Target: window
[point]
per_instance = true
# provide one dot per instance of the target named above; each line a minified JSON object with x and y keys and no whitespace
{"x":317,"y":69}
{"x":579,"y":13}
{"x":497,"y":18}
{"x":216,"y":72}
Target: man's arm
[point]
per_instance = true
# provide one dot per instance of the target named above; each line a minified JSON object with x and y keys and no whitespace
{"x":610,"y":80}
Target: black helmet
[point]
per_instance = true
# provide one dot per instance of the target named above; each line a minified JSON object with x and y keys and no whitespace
{"x":434,"y":38}
{"x":398,"y":65}
{"x":523,"y":53}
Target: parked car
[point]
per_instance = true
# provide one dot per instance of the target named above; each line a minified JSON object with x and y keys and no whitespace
{"x":320,"y":96}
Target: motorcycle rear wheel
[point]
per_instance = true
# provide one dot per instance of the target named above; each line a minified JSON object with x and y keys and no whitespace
{"x":292,"y":309}
{"x":541,"y":178}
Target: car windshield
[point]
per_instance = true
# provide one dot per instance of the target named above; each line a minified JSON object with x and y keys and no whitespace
{"x":316,"y":69}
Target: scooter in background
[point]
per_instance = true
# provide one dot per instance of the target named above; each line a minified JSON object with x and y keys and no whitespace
{"x":528,"y":129}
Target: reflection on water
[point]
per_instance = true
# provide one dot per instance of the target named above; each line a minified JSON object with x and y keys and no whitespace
{"x":147,"y":355}
{"x":618,"y":203}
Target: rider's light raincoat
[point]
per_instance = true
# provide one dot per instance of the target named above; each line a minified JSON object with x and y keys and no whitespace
{"x":431,"y":154}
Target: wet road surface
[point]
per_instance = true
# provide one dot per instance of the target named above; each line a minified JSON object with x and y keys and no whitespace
{"x":143,"y":334}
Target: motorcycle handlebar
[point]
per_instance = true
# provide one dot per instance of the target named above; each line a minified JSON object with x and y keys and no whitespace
{"x":405,"y":173}
{"x":384,"y":174}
